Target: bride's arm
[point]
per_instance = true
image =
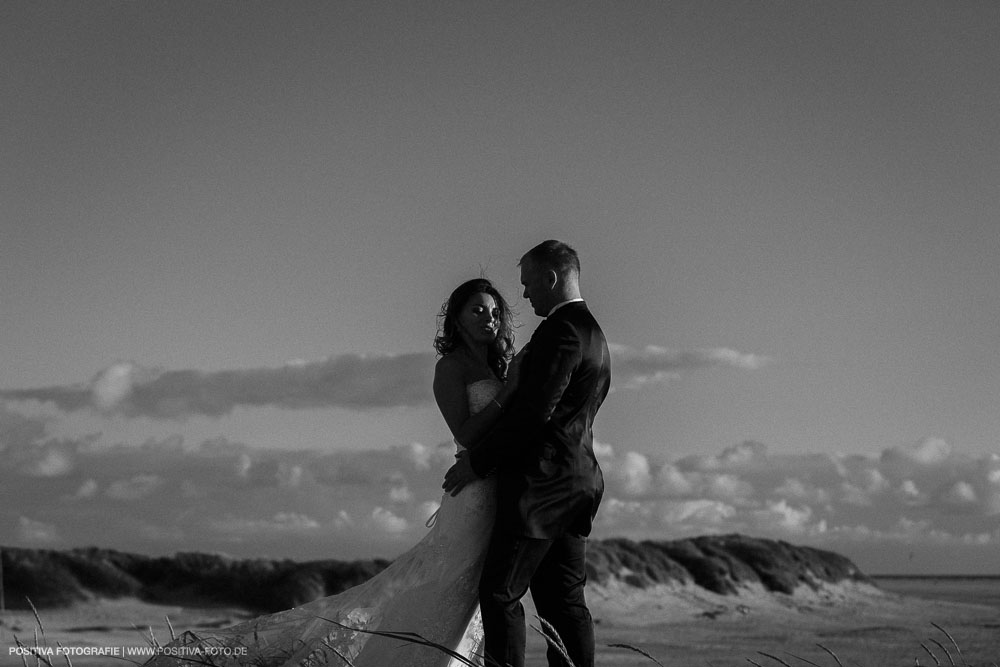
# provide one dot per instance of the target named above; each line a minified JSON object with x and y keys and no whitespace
{"x":453,"y":401}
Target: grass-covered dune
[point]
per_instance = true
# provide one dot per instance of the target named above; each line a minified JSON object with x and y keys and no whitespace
{"x":720,"y":564}
{"x":59,"y":578}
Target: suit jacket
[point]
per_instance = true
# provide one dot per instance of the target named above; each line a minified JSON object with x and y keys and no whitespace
{"x":548,"y":480}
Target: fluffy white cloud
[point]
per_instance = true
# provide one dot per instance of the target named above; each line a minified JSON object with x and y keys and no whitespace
{"x":633,"y":474}
{"x":742,"y":456}
{"x":960,"y":494}
{"x":281,"y":522}
{"x":795,"y":489}
{"x":782,"y":516}
{"x":134,"y":488}
{"x":618,"y":514}
{"x":35,"y":533}
{"x":86,"y":490}
{"x":53,"y":462}
{"x":400,"y":494}
{"x":670,"y":481}
{"x":636,"y":368}
{"x":906,"y":460}
{"x":728,"y":487}
{"x":348,"y":381}
{"x":343,"y":520}
{"x":425,"y":458}
{"x":113,"y":385}
{"x":910,"y":494}
{"x":701,"y":512}
{"x":384,"y":520}
{"x":362,"y":503}
{"x":833,"y":501}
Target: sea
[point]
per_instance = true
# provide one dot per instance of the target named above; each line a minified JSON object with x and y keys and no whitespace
{"x":973,"y":589}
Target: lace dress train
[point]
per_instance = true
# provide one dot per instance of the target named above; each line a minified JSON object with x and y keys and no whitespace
{"x":431,"y":590}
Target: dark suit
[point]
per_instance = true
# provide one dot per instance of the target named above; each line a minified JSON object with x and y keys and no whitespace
{"x":549,"y":486}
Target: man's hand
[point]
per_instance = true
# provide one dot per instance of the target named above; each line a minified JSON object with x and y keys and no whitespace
{"x":459,"y":475}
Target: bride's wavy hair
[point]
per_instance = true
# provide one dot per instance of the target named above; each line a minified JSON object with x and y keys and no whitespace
{"x":448,"y":339}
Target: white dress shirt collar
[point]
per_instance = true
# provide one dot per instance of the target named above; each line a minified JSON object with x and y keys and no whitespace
{"x":560,"y":305}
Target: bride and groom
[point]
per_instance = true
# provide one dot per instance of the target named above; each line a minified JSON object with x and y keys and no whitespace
{"x":518,"y":506}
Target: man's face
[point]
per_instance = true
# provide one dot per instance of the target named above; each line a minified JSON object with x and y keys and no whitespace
{"x":537,"y":287}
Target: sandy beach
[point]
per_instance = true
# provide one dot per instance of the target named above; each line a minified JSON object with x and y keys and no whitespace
{"x":677,"y":626}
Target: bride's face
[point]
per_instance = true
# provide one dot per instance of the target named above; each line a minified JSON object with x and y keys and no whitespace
{"x":479,"y":319}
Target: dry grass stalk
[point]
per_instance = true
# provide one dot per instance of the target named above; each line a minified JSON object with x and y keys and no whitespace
{"x":832,"y":654}
{"x":808,"y":662}
{"x":69,"y":663}
{"x":37,"y":619}
{"x":773,"y":657}
{"x":942,"y":647}
{"x":637,"y":650}
{"x":553,"y":639}
{"x":340,"y":655}
{"x":547,"y":631}
{"x":953,"y":642}
{"x":931,"y":654}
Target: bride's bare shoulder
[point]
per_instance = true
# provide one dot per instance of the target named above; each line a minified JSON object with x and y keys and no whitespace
{"x":451,"y":368}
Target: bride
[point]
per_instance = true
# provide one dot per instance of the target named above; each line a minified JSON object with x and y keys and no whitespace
{"x":432,"y":589}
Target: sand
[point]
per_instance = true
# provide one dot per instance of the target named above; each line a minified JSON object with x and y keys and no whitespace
{"x":861,"y":625}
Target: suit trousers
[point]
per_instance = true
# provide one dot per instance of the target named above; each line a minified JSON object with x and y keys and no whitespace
{"x":555,"y":570}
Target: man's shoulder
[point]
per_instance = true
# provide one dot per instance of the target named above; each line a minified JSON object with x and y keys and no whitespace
{"x":577,"y":314}
{"x":569,"y":311}
{"x":573,"y":321}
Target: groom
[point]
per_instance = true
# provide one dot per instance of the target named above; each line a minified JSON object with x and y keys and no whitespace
{"x":548,"y":481}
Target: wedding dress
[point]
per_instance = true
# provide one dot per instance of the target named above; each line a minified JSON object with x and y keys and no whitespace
{"x":431,"y":590}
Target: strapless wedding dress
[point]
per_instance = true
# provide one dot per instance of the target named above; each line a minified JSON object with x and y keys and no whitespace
{"x":431,"y":590}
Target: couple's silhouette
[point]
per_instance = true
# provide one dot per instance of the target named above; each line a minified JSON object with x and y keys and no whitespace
{"x":518,"y":507}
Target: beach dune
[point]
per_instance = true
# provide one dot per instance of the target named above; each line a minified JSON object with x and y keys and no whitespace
{"x":714,"y":600}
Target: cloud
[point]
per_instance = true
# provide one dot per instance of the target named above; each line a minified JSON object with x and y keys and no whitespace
{"x":226,"y":496}
{"x":348,"y":381}
{"x":49,"y":461}
{"x":87,"y":490}
{"x":902,"y":461}
{"x":672,"y":482}
{"x":632,"y":474}
{"x":746,"y":454}
{"x":384,"y":520}
{"x":784,"y":517}
{"x":960,"y":494}
{"x":219,"y":496}
{"x":134,"y":488}
{"x":635,"y":368}
{"x":343,"y":520}
{"x":728,"y":487}
{"x":424,"y":457}
{"x":35,"y":533}
{"x":280,"y":522}
{"x":701,"y":512}
{"x":17,"y":430}
{"x":400,"y":494}
{"x":831,"y":501}
{"x":353,"y":382}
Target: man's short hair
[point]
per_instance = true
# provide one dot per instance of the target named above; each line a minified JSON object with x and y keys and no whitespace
{"x":554,"y":255}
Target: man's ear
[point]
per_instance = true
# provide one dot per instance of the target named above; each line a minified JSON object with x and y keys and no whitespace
{"x":552,"y":278}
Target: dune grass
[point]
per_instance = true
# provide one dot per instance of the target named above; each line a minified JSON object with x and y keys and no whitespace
{"x":938,"y":651}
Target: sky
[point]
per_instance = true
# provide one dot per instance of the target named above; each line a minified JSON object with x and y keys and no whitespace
{"x":228,"y":228}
